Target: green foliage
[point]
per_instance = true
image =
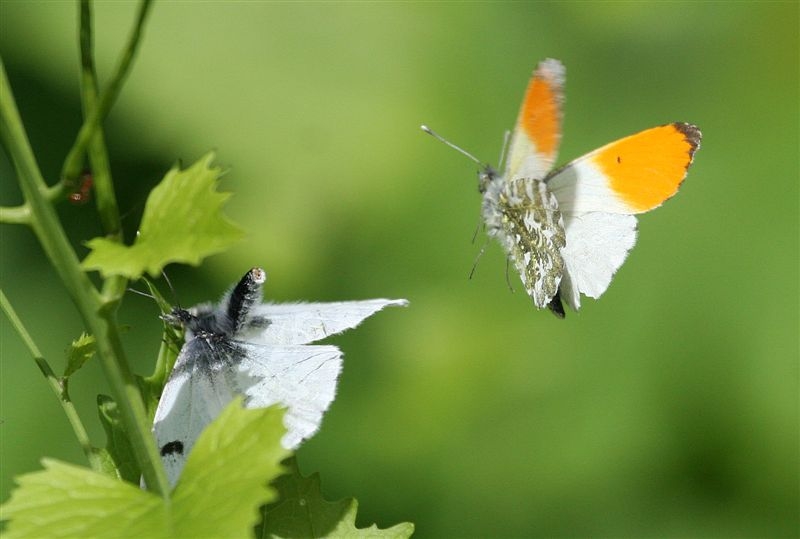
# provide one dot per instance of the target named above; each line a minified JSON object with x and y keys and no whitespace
{"x":171,"y":342}
{"x":118,"y":445}
{"x":303,"y":512}
{"x":217,"y":496}
{"x":79,"y":352}
{"x":182,"y":222}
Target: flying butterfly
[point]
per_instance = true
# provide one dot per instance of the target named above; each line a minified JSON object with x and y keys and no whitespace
{"x":568,"y":230}
{"x":242,"y":346}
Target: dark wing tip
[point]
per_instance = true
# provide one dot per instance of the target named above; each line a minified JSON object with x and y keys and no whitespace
{"x":691,"y":133}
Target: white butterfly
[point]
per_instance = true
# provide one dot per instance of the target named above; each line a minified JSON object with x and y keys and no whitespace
{"x":568,"y":230}
{"x":242,"y":346}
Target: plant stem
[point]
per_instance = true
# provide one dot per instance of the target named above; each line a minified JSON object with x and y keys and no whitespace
{"x":18,"y":215}
{"x":100,"y":322}
{"x":55,"y":383}
{"x":113,"y":287}
{"x":94,"y":113}
{"x":73,"y":164}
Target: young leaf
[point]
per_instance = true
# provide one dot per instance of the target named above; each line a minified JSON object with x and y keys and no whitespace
{"x":301,"y":511}
{"x":224,"y":483}
{"x":182,"y":222}
{"x":79,"y":352}
{"x":118,"y":446}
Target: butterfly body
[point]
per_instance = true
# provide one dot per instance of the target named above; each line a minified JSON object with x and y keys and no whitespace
{"x":243,"y":347}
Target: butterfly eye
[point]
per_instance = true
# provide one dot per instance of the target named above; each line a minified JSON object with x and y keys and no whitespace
{"x":485,"y":177}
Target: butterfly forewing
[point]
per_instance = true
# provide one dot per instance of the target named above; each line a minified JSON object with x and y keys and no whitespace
{"x":301,"y":323}
{"x":537,"y":133}
{"x":632,"y":175}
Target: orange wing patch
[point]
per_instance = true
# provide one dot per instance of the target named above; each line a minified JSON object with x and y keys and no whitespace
{"x":540,"y":116}
{"x":647,"y":168}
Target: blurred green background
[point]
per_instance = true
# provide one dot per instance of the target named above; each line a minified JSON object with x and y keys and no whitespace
{"x":668,"y":408}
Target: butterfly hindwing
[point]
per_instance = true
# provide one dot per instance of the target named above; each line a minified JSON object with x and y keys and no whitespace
{"x":525,"y":218}
{"x":300,"y":378}
{"x":597,"y":244}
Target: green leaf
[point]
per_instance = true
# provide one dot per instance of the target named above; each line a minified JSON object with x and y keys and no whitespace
{"x":182,"y":222}
{"x":302,"y":512}
{"x":118,"y":445}
{"x":79,"y":352}
{"x":65,"y":500}
{"x":224,"y":483}
{"x":225,"y":476}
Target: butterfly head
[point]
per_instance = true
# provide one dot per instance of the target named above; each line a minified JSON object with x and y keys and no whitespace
{"x":178,"y":317}
{"x":486,"y":175}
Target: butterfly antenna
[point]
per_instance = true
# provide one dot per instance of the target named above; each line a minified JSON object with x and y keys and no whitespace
{"x":508,"y":279}
{"x":171,"y":289}
{"x":459,"y":149}
{"x":477,"y":227}
{"x":506,"y":138}
{"x":480,"y":254}
{"x":145,"y":294}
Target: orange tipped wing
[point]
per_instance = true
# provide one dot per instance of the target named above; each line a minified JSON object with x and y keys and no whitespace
{"x":537,"y":134}
{"x":632,"y":175}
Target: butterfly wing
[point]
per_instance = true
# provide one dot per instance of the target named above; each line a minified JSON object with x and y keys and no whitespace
{"x":301,"y":323}
{"x":193,"y":396}
{"x":300,"y":378}
{"x":597,"y":244}
{"x":632,"y":175}
{"x":537,"y":133}
{"x":599,"y":193}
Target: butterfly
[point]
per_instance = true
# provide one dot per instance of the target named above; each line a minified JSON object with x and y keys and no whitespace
{"x":242,"y":346}
{"x":568,"y":230}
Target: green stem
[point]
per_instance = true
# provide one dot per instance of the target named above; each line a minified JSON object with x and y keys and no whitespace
{"x":18,"y":215}
{"x":113,"y":287}
{"x":73,"y":164}
{"x":100,"y":322}
{"x":55,"y":383}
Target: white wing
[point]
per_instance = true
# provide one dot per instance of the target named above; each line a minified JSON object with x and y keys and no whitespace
{"x":301,"y":323}
{"x":191,"y":400}
{"x":301,"y":378}
{"x":597,"y":245}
